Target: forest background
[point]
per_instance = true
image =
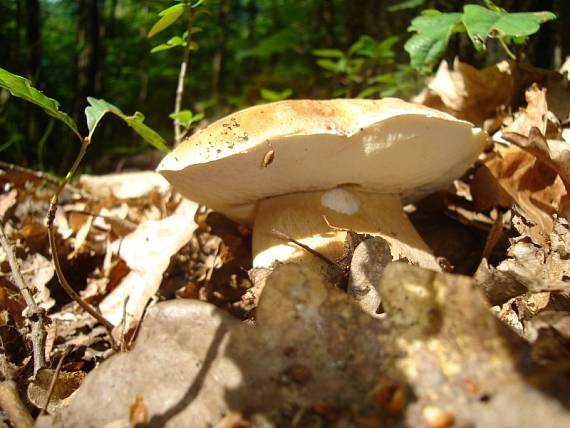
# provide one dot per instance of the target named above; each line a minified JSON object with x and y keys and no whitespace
{"x":243,"y":52}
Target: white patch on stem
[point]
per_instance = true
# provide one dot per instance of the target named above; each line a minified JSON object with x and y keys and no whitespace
{"x":341,"y":201}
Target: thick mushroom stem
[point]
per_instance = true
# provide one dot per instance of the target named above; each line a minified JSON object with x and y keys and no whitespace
{"x":301,"y":216}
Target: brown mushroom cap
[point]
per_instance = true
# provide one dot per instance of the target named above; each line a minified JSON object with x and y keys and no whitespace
{"x":380,"y":146}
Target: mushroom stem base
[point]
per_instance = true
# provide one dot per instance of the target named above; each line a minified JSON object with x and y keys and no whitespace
{"x":302,"y":216}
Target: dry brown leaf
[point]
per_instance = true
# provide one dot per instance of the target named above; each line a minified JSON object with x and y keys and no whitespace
{"x":533,"y":186}
{"x":535,"y":114}
{"x":472,"y":94}
{"x":540,"y":267}
{"x":65,"y":385}
{"x":147,"y":252}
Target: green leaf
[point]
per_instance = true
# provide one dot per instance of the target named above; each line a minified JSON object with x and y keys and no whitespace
{"x":186,"y":118}
{"x":168,"y":17}
{"x":368,"y":92}
{"x":281,"y":41}
{"x":22,"y":88}
{"x":174,"y":42}
{"x":522,"y":24}
{"x":330,"y":65}
{"x":271,"y":96}
{"x":171,"y":43}
{"x":427,"y":46}
{"x":329,"y":53}
{"x":98,"y":108}
{"x":386,"y":78}
{"x":481,"y":23}
{"x":406,"y":4}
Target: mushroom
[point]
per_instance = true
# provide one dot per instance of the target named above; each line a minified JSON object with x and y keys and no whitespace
{"x":314,"y":169}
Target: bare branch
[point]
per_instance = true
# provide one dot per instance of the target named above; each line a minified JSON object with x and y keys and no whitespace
{"x":35,"y":314}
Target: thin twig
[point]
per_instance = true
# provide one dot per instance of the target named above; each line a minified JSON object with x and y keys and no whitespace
{"x":50,"y":218}
{"x":286,"y":237}
{"x":73,"y":294}
{"x":35,"y":313}
{"x":182,"y":76}
{"x":11,"y":403}
{"x":211,"y":268}
{"x":54,"y":380}
{"x":123,"y":324}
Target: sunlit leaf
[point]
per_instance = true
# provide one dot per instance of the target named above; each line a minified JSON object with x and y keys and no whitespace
{"x":186,"y":118}
{"x":406,"y":4}
{"x":98,"y":108}
{"x":168,"y":17}
{"x":22,"y":88}
{"x":330,"y":65}
{"x":481,"y":23}
{"x":271,"y":96}
{"x":328,"y":53}
{"x":427,"y":46}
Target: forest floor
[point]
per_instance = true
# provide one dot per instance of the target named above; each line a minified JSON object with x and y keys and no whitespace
{"x":485,"y":342}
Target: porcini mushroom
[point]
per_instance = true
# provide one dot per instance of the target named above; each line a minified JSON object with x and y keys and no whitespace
{"x":302,"y":166}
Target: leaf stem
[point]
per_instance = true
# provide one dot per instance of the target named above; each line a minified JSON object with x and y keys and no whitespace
{"x":182,"y":77}
{"x":510,"y":54}
{"x":51,"y":236}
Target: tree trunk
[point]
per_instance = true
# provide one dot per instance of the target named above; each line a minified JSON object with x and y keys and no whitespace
{"x":562,"y":49}
{"x":89,"y":61}
{"x":220,"y":54}
{"x":33,"y":61}
{"x":324,"y":23}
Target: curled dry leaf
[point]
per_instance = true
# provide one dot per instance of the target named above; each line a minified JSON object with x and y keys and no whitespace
{"x":535,"y":174}
{"x":535,"y":115}
{"x":65,"y":385}
{"x":514,"y":175}
{"x":469,"y":93}
{"x":540,"y":267}
{"x":193,"y":364}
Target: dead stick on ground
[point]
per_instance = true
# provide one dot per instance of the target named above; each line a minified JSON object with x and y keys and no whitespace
{"x":54,"y":380}
{"x":12,"y":405}
{"x":35,"y":313}
{"x":286,"y":237}
{"x":63,"y":281}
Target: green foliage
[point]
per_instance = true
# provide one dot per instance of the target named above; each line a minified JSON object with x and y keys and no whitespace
{"x":99,"y":108}
{"x":433,"y":30}
{"x":171,"y":14}
{"x":278,"y":42}
{"x":22,"y":88}
{"x":168,"y":17}
{"x":406,"y":4}
{"x":267,"y":95}
{"x":176,"y":41}
{"x":481,"y":23}
{"x":186,"y":118}
{"x":366,"y":69}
